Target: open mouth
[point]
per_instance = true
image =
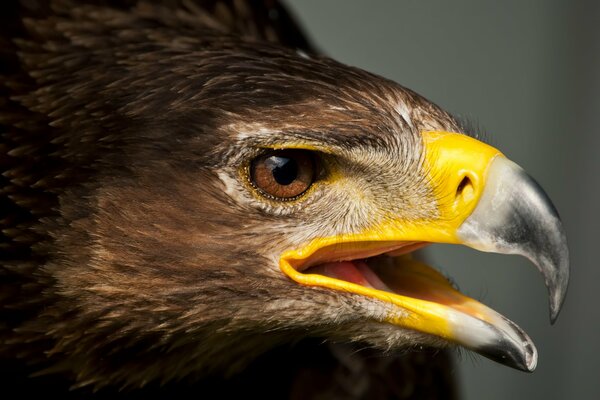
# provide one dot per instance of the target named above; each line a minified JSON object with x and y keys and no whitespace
{"x":385,"y":268}
{"x":426,"y":300}
{"x":504,"y":211}
{"x":373,"y":270}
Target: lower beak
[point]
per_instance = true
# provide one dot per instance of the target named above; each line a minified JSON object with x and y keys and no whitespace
{"x":486,"y":202}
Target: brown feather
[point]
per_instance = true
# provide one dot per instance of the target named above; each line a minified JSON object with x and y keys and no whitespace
{"x":125,"y":259}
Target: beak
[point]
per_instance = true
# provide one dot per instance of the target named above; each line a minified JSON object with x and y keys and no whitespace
{"x":484,"y":201}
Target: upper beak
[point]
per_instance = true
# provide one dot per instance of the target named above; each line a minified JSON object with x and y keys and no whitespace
{"x":484,"y":201}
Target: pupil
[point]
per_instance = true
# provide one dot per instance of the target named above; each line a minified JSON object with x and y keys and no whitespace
{"x":284,"y":169}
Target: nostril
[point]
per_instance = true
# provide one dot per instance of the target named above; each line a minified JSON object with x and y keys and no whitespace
{"x":466,"y":192}
{"x":464,"y":184}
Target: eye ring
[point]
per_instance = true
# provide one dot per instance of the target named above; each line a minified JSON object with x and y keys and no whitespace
{"x":283,"y":175}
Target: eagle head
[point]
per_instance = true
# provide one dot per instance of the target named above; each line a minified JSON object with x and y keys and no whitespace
{"x":205,"y":198}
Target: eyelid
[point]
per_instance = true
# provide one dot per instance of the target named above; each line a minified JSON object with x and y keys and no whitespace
{"x":299,"y":146}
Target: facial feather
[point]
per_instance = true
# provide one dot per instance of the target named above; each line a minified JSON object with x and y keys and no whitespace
{"x":149,"y":248}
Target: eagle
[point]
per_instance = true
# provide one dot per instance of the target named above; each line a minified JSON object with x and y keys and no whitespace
{"x":193,"y":199}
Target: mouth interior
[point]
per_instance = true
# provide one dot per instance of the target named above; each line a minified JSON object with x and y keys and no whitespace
{"x":390,"y":269}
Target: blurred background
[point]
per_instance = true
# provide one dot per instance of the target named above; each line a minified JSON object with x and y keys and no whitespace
{"x":528,"y":74}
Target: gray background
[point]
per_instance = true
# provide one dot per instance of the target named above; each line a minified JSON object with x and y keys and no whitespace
{"x":528,"y":72}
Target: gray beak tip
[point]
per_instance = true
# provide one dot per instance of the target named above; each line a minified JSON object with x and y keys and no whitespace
{"x":558,"y":293}
{"x":554,"y":263}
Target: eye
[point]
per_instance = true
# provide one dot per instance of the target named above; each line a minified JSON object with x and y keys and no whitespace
{"x":283,"y":174}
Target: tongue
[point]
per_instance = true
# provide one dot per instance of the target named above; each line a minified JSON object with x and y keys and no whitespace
{"x":356,"y":271}
{"x":342,"y":270}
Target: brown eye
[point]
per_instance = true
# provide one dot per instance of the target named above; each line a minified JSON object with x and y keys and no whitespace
{"x":283,"y":174}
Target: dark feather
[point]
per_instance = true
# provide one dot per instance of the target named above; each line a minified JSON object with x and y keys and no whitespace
{"x":108,"y":112}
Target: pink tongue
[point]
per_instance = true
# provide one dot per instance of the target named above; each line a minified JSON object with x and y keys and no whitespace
{"x":350,"y":271}
{"x":342,"y":270}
